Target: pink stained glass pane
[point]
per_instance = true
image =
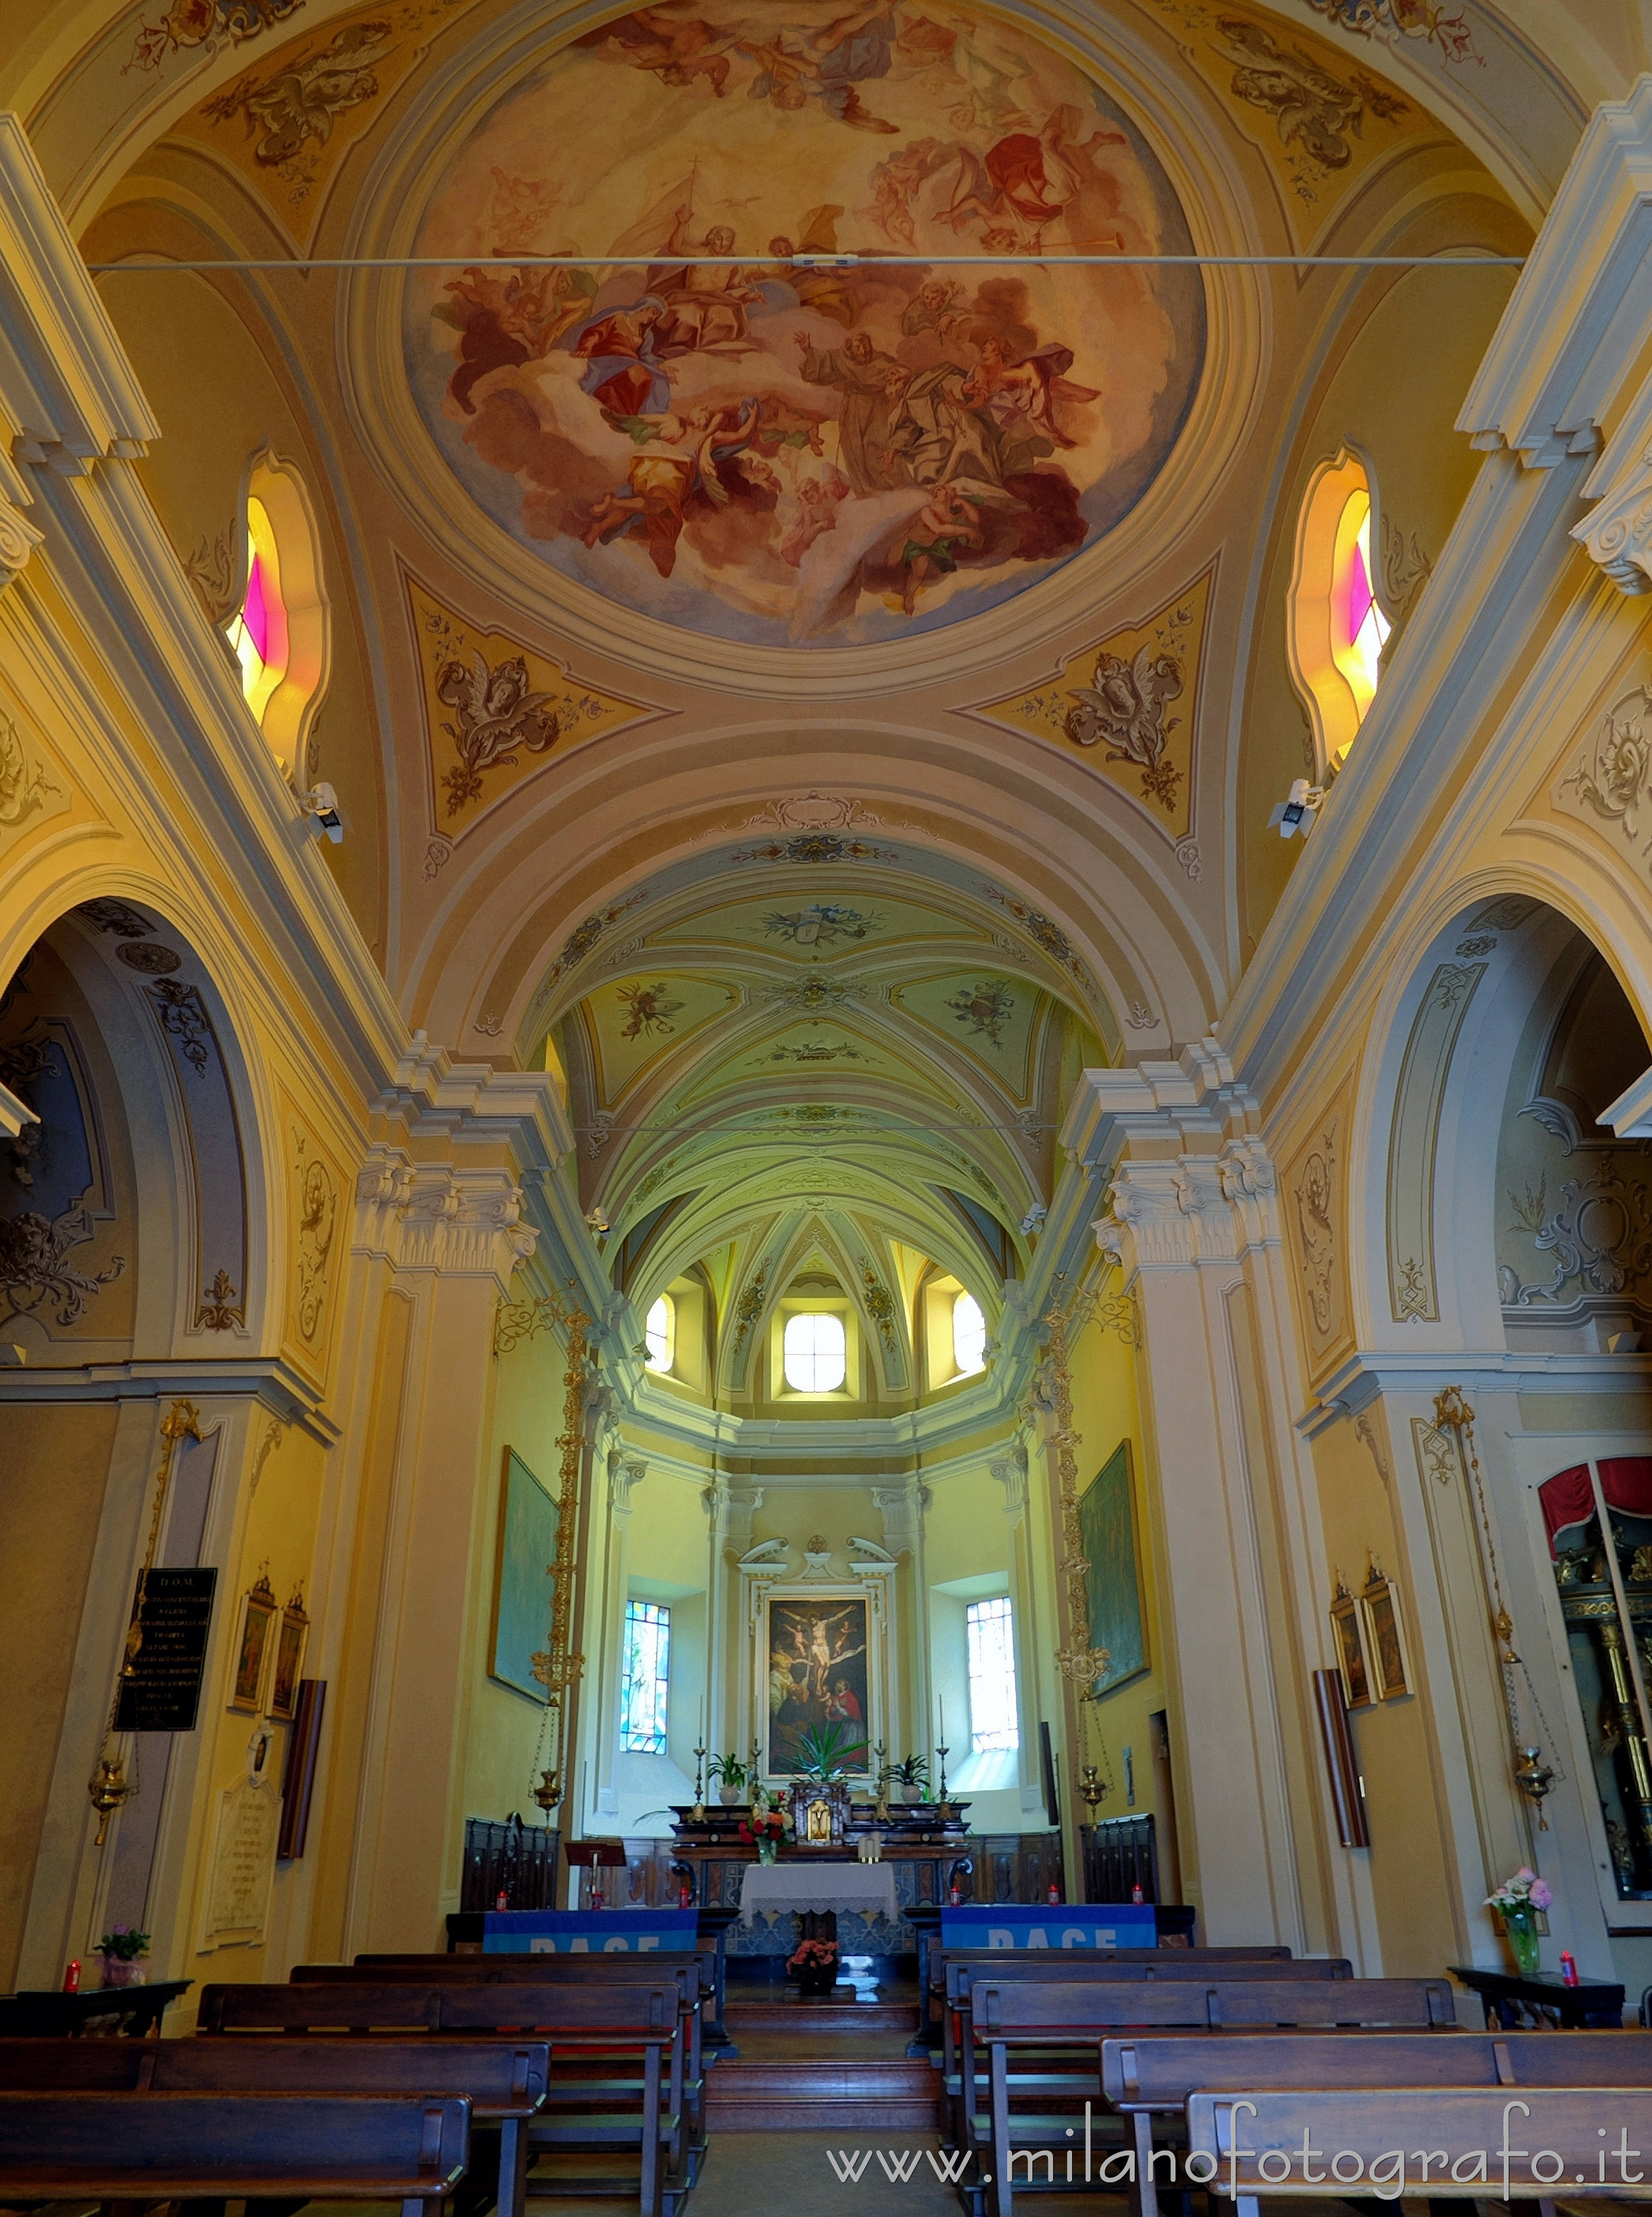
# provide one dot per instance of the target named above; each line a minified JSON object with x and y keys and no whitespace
{"x":1359,"y":593}
{"x":254,"y":613}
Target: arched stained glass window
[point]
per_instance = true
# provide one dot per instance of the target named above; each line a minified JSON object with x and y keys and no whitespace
{"x":1335,"y":625}
{"x":969,"y":1335}
{"x":280,"y":634}
{"x":816,"y":1353}
{"x":660,"y":1333}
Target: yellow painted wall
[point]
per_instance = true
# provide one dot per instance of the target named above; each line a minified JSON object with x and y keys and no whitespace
{"x":53,"y":1469}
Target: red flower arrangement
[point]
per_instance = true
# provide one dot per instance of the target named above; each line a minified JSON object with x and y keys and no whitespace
{"x":814,"y":1955}
{"x":765,"y":1824}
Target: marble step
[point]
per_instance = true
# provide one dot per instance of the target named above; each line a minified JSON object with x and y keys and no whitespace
{"x":826,"y":2017}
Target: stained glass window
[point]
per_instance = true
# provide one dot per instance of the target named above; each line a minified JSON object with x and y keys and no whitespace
{"x":258,"y":632}
{"x":1336,"y":629}
{"x":969,"y":1334}
{"x":817,"y":1353}
{"x":660,"y":1334}
{"x":991,"y":1632}
{"x":1359,"y":627}
{"x":645,"y":1696}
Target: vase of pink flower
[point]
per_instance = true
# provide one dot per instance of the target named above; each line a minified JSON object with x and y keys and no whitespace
{"x":1520,"y":1901}
{"x":814,"y":1966}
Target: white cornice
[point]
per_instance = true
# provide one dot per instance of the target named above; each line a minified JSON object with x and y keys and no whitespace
{"x":268,"y":1379}
{"x":1424,"y":1371}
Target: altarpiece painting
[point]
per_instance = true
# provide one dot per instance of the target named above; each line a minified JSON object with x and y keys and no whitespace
{"x":817,"y":1652}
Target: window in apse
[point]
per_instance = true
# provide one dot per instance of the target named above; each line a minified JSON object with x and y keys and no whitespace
{"x":991,"y":1632}
{"x":258,"y":630}
{"x":281,"y":632}
{"x":969,"y":1335}
{"x":660,"y":1333}
{"x":816,"y":1353}
{"x":644,"y":1697}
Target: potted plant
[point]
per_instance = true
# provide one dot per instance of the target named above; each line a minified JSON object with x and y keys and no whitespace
{"x":912,"y":1776}
{"x":767,"y":1829}
{"x":122,"y":1949}
{"x":1518,"y":1901}
{"x":814,"y":1966}
{"x":823,"y":1753}
{"x":729,"y":1774}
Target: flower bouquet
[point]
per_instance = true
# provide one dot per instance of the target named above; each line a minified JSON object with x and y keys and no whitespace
{"x":814,"y":1966}
{"x":122,"y":1949}
{"x":1518,"y":1901}
{"x":768,"y":1829}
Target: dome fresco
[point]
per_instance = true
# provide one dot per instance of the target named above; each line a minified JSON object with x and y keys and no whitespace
{"x":829,"y":456}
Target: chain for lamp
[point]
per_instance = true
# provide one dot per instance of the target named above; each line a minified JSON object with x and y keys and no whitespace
{"x":555,"y":1668}
{"x":1532,"y":1775}
{"x":109,"y":1787}
{"x":1077,"y":1661}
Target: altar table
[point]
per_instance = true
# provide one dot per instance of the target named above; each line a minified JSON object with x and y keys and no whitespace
{"x":867,"y":1888}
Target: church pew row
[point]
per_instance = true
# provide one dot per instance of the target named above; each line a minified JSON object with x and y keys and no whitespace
{"x":134,"y":2148}
{"x":1433,"y":2142}
{"x":587,"y":2024}
{"x":503,"y":2081}
{"x":935,"y":1958}
{"x":1027,"y":2034}
{"x":696,"y":1975}
{"x":958,"y":1967}
{"x":1155,"y":2078}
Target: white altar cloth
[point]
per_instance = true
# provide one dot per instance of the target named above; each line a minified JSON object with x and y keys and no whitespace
{"x":867,"y":1887}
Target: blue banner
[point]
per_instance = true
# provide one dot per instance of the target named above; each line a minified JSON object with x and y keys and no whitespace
{"x":1062,"y":1924}
{"x":587,"y":1931}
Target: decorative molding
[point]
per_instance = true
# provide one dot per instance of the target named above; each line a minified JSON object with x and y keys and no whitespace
{"x":316,"y":1198}
{"x":18,"y":539}
{"x":1011,"y":1472}
{"x":33,"y":1269}
{"x":434,"y":1217}
{"x":1413,"y":1136}
{"x":1364,"y":1430}
{"x":1611,"y":781}
{"x":25,"y":787}
{"x":275,"y":1433}
{"x":1313,"y":1195}
{"x":1600,"y":1235}
{"x":1618,"y":534}
{"x":902,"y":1508}
{"x":222,"y":1307}
{"x":626,"y":1473}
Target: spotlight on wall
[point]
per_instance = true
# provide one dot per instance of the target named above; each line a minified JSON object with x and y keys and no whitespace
{"x":321,"y":803}
{"x":1300,"y":812}
{"x":597,"y":1220}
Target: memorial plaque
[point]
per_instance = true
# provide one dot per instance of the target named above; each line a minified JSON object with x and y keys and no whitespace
{"x":163,"y":1692}
{"x":243,"y":1861}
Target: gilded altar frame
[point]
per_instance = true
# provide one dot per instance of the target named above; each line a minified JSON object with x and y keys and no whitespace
{"x":775,"y":1607}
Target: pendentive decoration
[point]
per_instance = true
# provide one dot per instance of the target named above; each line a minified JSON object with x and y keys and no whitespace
{"x":109,"y":1787}
{"x":556,"y":1670}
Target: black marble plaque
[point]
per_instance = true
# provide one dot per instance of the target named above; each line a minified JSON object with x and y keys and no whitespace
{"x":175,"y":1617}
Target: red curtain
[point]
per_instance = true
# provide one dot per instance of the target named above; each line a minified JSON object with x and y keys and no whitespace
{"x":1568,"y":1499}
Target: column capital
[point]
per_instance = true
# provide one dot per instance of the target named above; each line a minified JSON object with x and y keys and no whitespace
{"x":626,"y":1472}
{"x":1010,"y":1469}
{"x":1177,"y":1211}
{"x":731,"y":1509}
{"x":435,"y":1217}
{"x":902,"y":1509}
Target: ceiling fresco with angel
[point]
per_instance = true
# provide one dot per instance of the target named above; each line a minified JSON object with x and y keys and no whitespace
{"x":777,"y":454}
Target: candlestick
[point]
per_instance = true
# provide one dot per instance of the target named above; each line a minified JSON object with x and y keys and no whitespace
{"x":941,"y":1810}
{"x":698,"y":1812}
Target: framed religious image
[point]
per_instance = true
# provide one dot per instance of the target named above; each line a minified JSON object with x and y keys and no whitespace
{"x":259,"y":1610}
{"x":816,"y":1650}
{"x":1384,"y":1638}
{"x":1106,"y":1518}
{"x":289,"y":1660}
{"x":1350,"y":1648}
{"x":521,"y":1583}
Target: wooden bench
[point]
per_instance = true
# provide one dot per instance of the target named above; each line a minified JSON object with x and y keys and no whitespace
{"x":933,"y":1959}
{"x":1041,"y":2024}
{"x":960,"y":1967}
{"x":696,"y":1978}
{"x":585,"y":2023}
{"x":503,"y":2081}
{"x":1471,"y":2143}
{"x":145,"y":2147}
{"x":1156,"y":2077}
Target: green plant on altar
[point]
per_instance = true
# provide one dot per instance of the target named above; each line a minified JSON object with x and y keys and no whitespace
{"x":125,"y":1943}
{"x":728,"y":1770}
{"x":823,"y":1753}
{"x":911,"y":1770}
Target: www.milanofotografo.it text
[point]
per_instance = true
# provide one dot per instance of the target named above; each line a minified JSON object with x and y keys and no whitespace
{"x":1385,"y":2175}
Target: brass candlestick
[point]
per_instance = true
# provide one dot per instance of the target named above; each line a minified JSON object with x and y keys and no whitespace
{"x":941,"y":1809}
{"x":698,"y":1812}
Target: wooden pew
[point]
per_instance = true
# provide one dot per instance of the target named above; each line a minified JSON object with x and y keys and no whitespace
{"x":1156,"y":2077}
{"x":589,"y":2022}
{"x":1422,"y":2135}
{"x":959,"y":1968}
{"x":695,"y":1976}
{"x":137,"y":2147}
{"x":503,"y":2081}
{"x":1042,"y":2024}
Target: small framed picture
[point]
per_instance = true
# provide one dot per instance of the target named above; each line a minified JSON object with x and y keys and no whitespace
{"x":289,"y":1660}
{"x":1350,"y":1649}
{"x":1384,"y":1638}
{"x":253,"y":1643}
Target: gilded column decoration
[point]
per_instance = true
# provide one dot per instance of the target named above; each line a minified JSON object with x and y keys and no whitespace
{"x":557,"y":1669}
{"x":1078,"y":1660}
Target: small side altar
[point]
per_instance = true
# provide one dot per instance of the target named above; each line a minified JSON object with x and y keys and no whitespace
{"x":920,"y":1845}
